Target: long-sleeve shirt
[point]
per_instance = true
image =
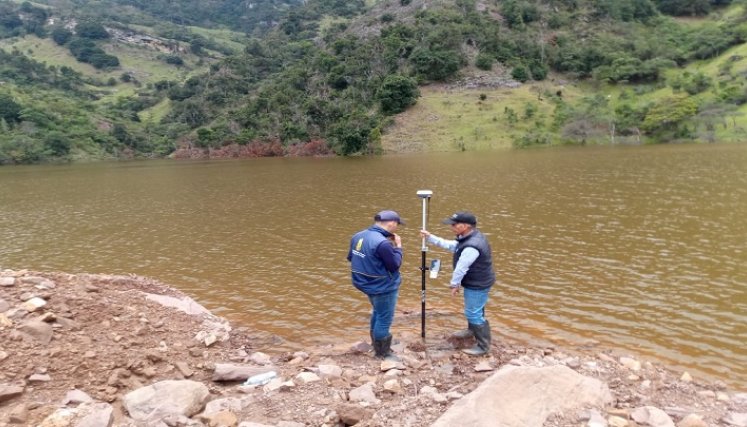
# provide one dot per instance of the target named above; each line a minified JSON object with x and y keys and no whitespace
{"x":469,"y":255}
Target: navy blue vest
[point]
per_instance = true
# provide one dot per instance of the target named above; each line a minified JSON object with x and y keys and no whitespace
{"x":367,"y":270}
{"x":480,"y":274}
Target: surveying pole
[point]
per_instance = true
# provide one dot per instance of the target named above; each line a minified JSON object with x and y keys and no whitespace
{"x":425,"y":196}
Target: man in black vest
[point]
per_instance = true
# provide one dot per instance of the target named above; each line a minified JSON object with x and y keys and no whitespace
{"x":473,"y":271}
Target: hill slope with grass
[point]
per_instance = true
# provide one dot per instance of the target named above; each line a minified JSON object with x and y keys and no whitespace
{"x":326,"y":76}
{"x":85,"y":81}
{"x":476,"y":114}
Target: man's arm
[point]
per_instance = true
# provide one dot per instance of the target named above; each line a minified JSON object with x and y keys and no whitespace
{"x":390,"y":256}
{"x":449,"y":245}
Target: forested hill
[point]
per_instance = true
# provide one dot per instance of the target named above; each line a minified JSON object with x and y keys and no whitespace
{"x":129,"y":78}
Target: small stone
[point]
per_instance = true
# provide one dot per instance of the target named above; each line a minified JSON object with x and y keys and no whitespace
{"x":593,"y":419}
{"x":454,"y":395}
{"x":631,"y":364}
{"x":34,"y":304}
{"x":391,"y":364}
{"x":364,"y":393}
{"x":330,"y":371}
{"x":307,"y":377}
{"x":686,"y":377}
{"x":483,"y":366}
{"x":39,"y":378}
{"x":5,"y":322}
{"x":8,"y":392}
{"x":736,"y":419}
{"x":393,"y":386}
{"x":692,"y":420}
{"x":223,"y":419}
{"x":260,"y":358}
{"x":19,"y":414}
{"x":615,"y":421}
{"x":7,"y":281}
{"x":76,"y":397}
{"x":184,"y":369}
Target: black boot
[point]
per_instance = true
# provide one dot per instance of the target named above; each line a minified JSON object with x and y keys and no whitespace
{"x":383,"y":349}
{"x":463,"y":334}
{"x":482,"y":335}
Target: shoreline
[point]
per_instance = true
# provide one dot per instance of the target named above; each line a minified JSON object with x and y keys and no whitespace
{"x":108,"y":337}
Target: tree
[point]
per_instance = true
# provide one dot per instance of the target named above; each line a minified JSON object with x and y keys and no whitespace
{"x":57,"y":143}
{"x":91,"y":30}
{"x":61,"y":35}
{"x":520,"y":73}
{"x":684,"y":7}
{"x":8,"y":17}
{"x":10,"y":110}
{"x":397,"y":93}
{"x":668,"y":114}
{"x":484,"y":61}
{"x":435,"y":64}
{"x":351,"y":134}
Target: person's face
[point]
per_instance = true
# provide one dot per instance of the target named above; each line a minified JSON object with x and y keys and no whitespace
{"x":459,"y":228}
{"x":391,"y":226}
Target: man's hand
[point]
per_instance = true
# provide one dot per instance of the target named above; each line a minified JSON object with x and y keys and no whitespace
{"x":397,"y":241}
{"x":425,"y":233}
{"x":455,"y":291}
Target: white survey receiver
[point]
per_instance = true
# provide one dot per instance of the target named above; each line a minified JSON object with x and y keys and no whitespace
{"x":424,"y":194}
{"x":435,"y":268}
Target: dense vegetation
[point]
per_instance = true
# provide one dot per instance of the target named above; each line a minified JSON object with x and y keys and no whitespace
{"x":331,"y":73}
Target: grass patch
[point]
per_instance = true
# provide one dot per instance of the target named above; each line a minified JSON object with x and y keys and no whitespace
{"x":47,"y":51}
{"x":461,"y":120}
{"x":155,"y":113}
{"x":234,"y":40}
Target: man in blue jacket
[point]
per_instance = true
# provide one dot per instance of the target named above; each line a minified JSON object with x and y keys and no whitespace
{"x":375,"y":257}
{"x":473,"y":271}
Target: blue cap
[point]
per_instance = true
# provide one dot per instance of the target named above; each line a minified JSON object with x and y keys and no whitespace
{"x":388,"y":216}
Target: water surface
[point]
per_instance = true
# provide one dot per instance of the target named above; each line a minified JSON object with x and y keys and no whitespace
{"x":641,"y":249}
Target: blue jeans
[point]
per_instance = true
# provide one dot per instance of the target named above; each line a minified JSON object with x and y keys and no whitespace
{"x":474,"y":305}
{"x":383,"y":313}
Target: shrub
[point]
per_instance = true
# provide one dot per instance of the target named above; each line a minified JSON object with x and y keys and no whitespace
{"x":520,"y":73}
{"x":91,"y":30}
{"x":61,"y":35}
{"x":484,"y":61}
{"x":397,"y":93}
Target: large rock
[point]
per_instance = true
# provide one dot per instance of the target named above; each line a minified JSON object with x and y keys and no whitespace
{"x":518,"y":396}
{"x":166,"y":398}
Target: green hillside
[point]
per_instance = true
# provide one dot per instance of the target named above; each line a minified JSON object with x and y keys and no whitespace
{"x":350,"y":77}
{"x":452,"y":117}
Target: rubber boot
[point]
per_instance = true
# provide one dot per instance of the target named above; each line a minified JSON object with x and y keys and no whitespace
{"x":383,"y":349}
{"x":463,"y":334}
{"x":482,"y":335}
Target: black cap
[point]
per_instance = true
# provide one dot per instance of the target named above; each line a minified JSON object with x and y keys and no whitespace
{"x":388,"y":216}
{"x":461,"y":217}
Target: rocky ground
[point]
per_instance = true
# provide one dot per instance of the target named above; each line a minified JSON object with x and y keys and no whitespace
{"x":95,"y":350}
